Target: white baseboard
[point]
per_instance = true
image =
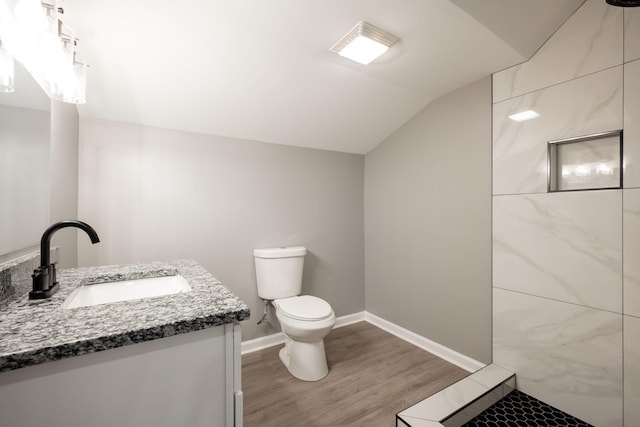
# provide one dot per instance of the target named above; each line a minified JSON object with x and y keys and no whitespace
{"x":350,"y":319}
{"x":261,"y":343}
{"x":452,"y":356}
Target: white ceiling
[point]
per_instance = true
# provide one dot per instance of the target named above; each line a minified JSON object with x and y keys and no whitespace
{"x":262,"y":70}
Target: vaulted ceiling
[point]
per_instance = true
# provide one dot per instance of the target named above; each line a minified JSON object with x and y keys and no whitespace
{"x":262,"y":70}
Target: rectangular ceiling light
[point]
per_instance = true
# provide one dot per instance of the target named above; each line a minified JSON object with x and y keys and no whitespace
{"x":364,"y":43}
{"x":524,"y":115}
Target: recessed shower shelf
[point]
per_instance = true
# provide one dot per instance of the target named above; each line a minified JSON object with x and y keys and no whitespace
{"x":591,"y":162}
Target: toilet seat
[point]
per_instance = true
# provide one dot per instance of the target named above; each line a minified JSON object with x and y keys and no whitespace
{"x":305,"y":307}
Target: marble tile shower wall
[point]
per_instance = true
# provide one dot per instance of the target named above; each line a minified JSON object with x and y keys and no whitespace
{"x":582,"y":106}
{"x":578,"y":48}
{"x":631,"y":34}
{"x":566,"y":266}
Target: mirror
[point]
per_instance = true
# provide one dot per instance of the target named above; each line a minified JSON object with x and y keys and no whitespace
{"x":25,"y":117}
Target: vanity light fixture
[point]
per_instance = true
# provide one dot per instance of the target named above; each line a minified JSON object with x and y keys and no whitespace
{"x":33,"y":33}
{"x":7,"y":71}
{"x":364,"y":43}
{"x":524,"y":115}
{"x":71,"y":76}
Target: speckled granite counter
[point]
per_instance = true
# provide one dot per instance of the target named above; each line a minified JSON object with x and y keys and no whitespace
{"x":15,"y":275}
{"x":34,"y":332}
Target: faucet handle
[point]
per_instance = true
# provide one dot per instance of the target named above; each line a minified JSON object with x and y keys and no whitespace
{"x":43,"y":287}
{"x":40,"y":280}
{"x":52,"y":273}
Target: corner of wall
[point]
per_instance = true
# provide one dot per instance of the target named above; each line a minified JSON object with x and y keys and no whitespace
{"x":64,"y":177}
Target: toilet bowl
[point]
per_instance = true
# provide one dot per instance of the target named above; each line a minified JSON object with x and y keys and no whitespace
{"x":305,"y":321}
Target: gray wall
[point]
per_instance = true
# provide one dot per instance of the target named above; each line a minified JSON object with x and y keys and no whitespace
{"x":64,"y":178}
{"x":428,"y":223}
{"x":24,"y":166}
{"x":51,"y":193}
{"x":24,"y":173}
{"x":155,"y":194}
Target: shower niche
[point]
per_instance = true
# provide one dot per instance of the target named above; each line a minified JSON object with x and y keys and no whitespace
{"x":591,"y":162}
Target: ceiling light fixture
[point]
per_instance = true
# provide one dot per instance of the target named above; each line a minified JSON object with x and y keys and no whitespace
{"x":524,"y":115}
{"x":33,"y":33}
{"x":364,"y":43}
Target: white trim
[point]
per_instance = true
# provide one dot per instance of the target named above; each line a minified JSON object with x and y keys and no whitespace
{"x":278,"y":338}
{"x":452,"y":356}
{"x":261,"y":343}
{"x":350,"y":319}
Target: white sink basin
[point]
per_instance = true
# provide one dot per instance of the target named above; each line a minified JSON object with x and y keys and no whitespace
{"x":125,"y":290}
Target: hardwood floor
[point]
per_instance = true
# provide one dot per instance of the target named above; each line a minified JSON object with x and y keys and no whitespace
{"x":372,"y":376}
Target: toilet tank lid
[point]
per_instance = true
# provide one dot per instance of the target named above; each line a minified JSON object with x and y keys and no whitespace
{"x":284,"y":252}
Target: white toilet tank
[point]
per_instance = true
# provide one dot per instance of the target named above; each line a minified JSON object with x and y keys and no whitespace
{"x":279,"y":271}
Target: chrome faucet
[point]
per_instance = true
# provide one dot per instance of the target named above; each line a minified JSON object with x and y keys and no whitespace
{"x":44,"y":277}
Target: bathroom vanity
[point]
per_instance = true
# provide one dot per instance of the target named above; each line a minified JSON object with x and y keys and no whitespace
{"x":170,"y":360}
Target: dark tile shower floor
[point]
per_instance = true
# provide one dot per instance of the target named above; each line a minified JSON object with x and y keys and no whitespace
{"x":519,"y":409}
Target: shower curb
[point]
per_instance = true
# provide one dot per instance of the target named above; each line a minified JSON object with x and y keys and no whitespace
{"x":461,"y":401}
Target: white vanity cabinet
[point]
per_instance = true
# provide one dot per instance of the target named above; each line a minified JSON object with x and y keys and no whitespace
{"x":191,"y":380}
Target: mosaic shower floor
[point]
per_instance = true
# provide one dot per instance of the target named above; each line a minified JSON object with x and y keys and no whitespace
{"x":518,"y":409}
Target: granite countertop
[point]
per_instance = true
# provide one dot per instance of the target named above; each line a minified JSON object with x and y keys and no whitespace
{"x":38,"y":331}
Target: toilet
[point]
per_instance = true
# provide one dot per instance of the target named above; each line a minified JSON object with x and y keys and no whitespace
{"x":305,"y":320}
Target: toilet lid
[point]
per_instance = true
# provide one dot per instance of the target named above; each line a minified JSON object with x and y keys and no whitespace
{"x":305,"y":307}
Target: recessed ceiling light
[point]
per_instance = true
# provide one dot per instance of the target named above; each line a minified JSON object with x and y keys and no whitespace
{"x":524,"y":115}
{"x":364,"y":43}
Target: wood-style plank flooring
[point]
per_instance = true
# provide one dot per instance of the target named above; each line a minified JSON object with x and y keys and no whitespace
{"x":372,"y":376}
